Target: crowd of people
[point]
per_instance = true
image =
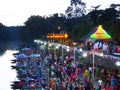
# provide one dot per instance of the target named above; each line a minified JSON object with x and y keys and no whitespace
{"x":45,"y":72}
{"x":108,"y":47}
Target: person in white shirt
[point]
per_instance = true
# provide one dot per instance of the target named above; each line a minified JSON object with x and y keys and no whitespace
{"x":100,"y":83}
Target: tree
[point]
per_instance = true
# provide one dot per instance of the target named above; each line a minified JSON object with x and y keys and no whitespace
{"x":36,"y":26}
{"x":96,"y":7}
{"x":116,"y":7}
{"x":76,"y":9}
{"x":113,"y":27}
{"x":94,"y":15}
{"x":3,"y":32}
{"x":80,"y":30}
{"x":108,"y":15}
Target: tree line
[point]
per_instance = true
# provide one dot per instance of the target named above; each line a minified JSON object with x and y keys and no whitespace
{"x":76,"y":22}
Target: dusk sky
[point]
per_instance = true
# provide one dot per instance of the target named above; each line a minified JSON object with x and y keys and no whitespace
{"x":16,"y":12}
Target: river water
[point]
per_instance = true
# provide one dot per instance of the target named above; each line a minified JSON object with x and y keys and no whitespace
{"x":7,"y":74}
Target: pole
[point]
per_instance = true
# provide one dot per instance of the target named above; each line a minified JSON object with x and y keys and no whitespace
{"x":54,"y":48}
{"x":74,"y":54}
{"x":93,"y":54}
{"x":62,"y":52}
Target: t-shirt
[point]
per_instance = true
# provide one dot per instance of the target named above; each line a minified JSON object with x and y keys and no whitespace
{"x":99,"y":82}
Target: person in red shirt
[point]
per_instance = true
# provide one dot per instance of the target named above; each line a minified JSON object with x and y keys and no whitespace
{"x":107,"y":88}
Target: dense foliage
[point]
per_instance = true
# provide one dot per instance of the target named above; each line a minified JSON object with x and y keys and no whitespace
{"x":76,"y":23}
{"x":9,"y":33}
{"x":76,"y":27}
{"x":3,"y":32}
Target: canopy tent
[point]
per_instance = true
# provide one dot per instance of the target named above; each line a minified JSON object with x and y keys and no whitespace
{"x":100,"y":33}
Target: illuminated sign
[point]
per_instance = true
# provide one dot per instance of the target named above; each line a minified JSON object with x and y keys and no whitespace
{"x":57,"y":36}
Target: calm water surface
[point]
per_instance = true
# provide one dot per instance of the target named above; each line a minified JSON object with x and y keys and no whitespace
{"x":7,"y":74}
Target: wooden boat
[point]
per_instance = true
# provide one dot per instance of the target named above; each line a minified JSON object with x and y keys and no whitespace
{"x":14,"y":67}
{"x":18,"y":84}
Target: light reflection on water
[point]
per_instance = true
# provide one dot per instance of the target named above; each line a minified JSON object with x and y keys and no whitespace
{"x":7,"y":74}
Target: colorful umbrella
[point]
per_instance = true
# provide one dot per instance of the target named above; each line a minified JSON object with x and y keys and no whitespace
{"x":34,"y":55}
{"x":100,"y":33}
{"x":25,"y":49}
{"x":21,"y":56}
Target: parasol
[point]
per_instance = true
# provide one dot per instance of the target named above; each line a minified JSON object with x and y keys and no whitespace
{"x":34,"y":55}
{"x":25,"y":49}
{"x":21,"y":56}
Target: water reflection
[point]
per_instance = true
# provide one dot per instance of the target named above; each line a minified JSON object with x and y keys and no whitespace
{"x":9,"y":45}
{"x":7,"y":74}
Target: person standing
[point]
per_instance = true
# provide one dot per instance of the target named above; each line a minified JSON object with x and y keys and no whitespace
{"x":113,"y":82}
{"x":100,"y":83}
